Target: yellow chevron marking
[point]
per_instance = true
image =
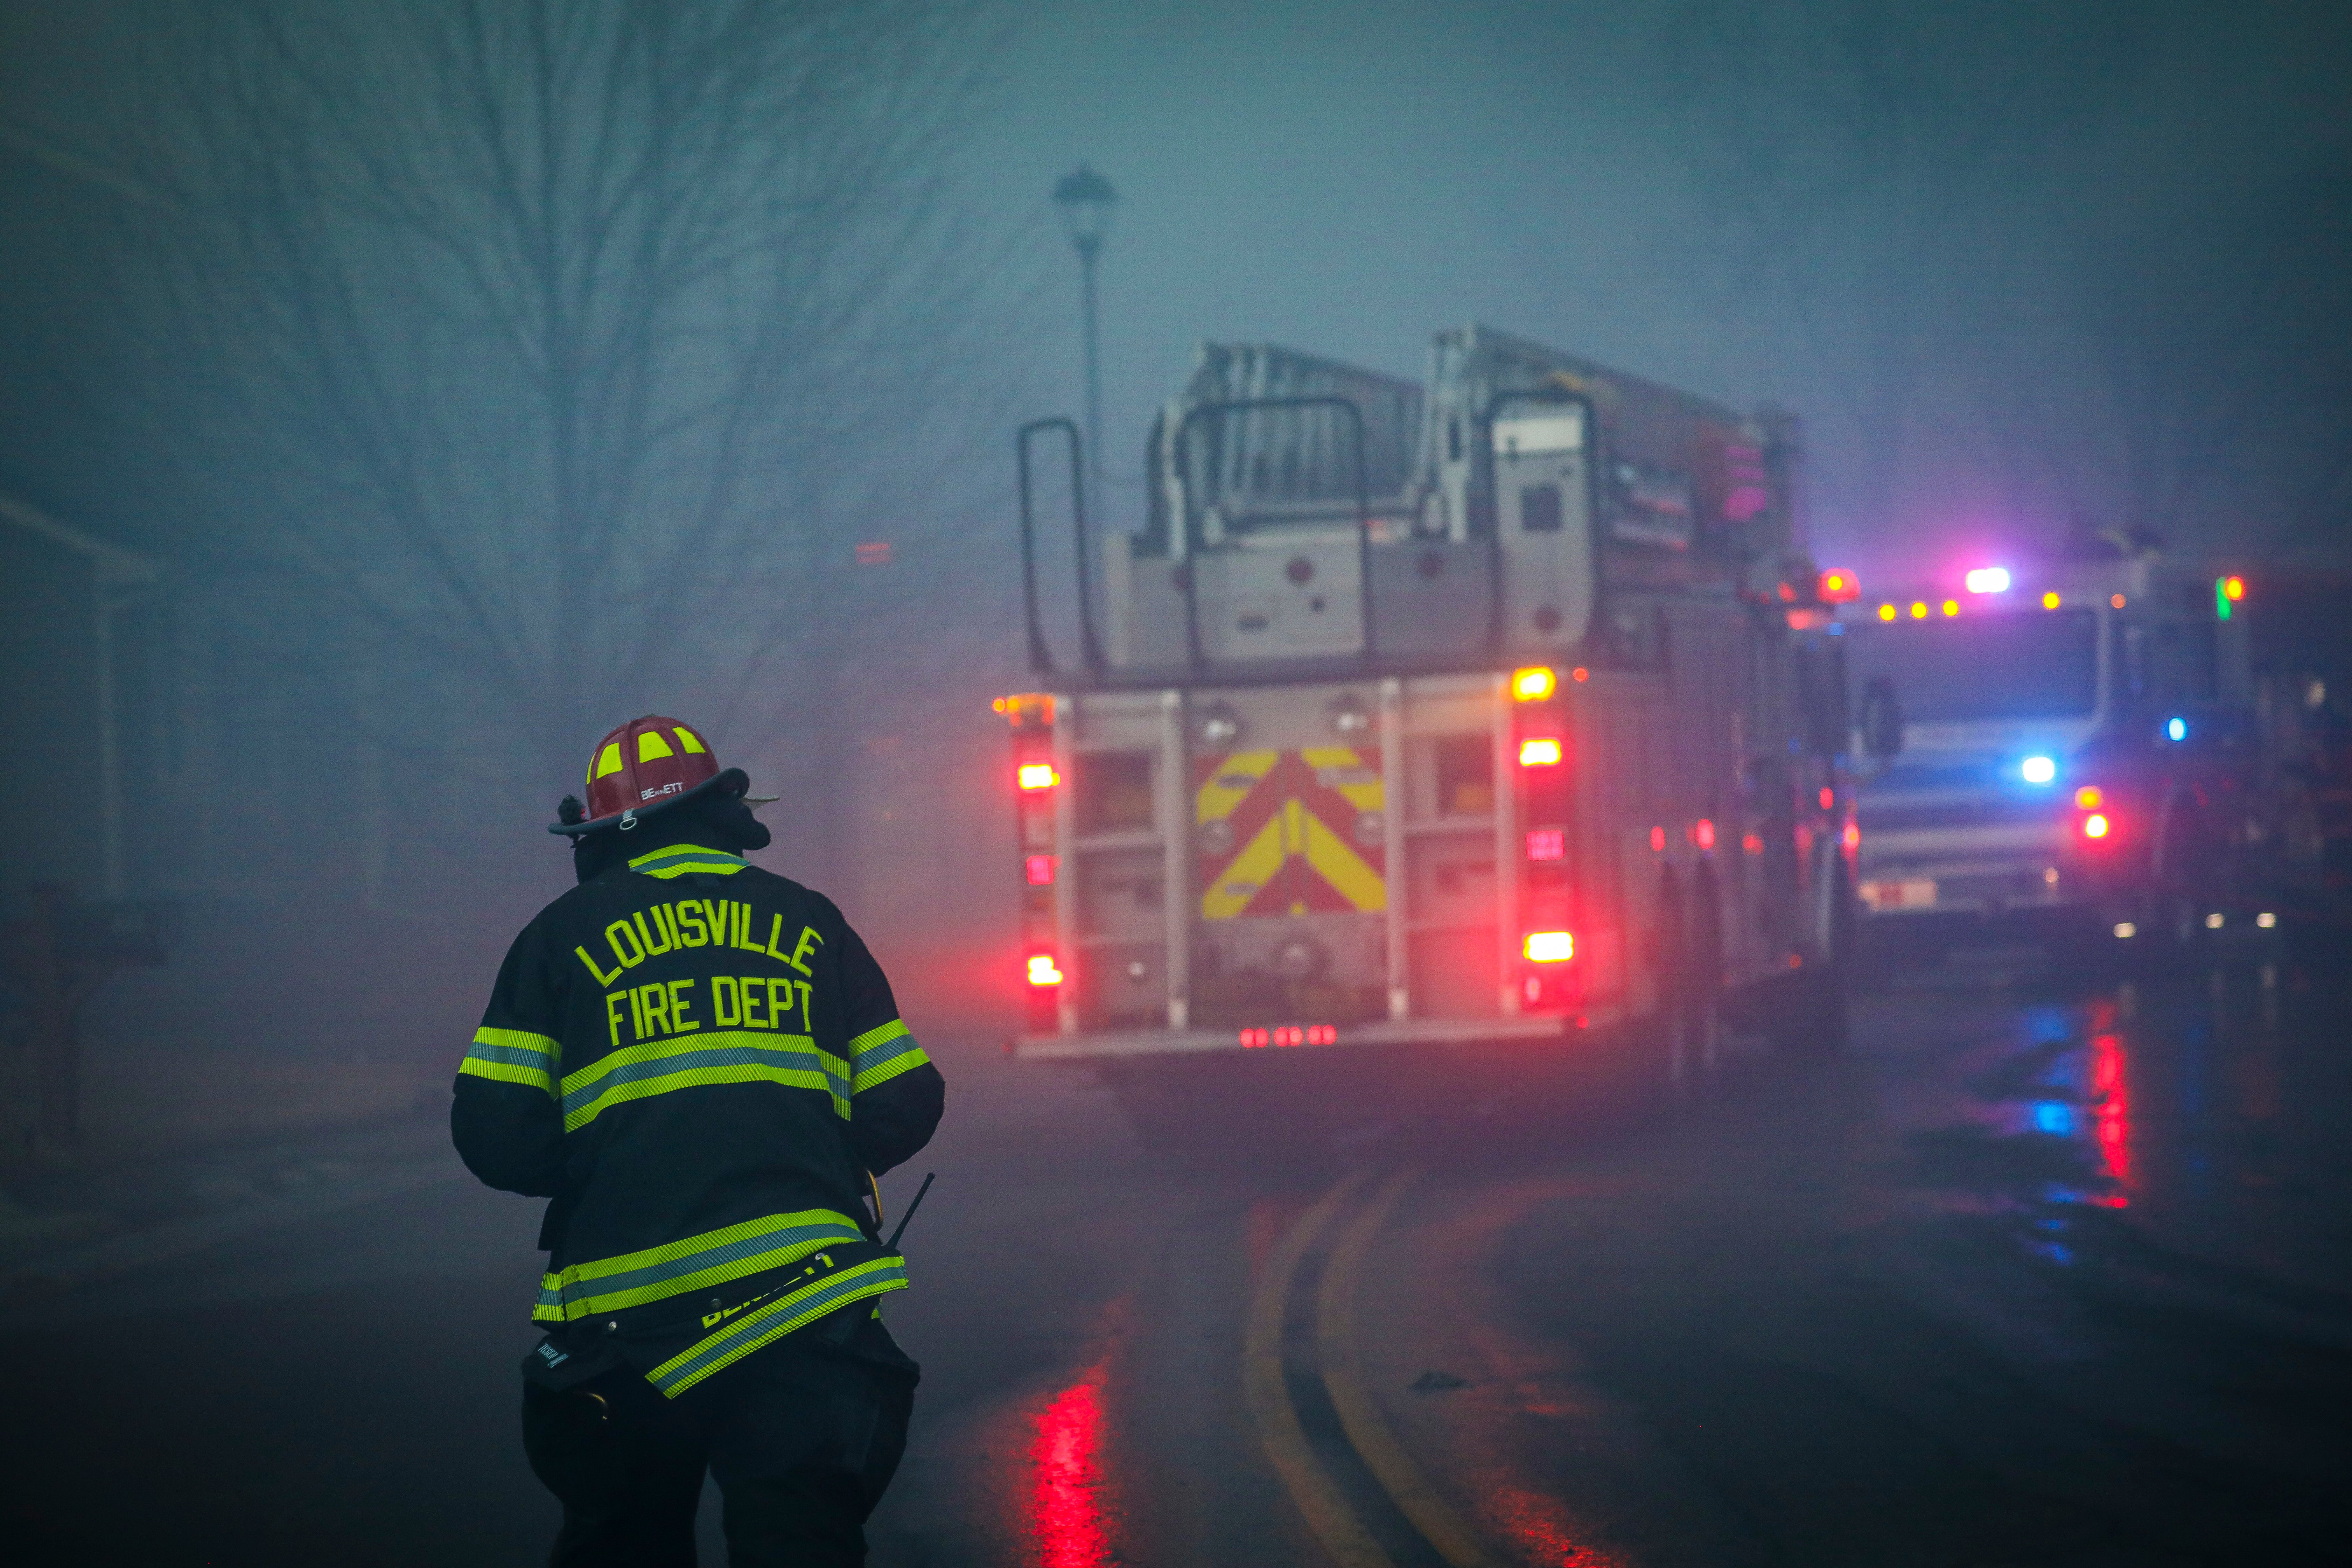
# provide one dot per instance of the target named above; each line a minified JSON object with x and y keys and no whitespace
{"x":1363,"y":793}
{"x":1247,"y":873}
{"x":1339,"y":865}
{"x":1230,"y":784}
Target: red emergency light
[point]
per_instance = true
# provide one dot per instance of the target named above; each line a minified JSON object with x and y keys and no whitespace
{"x":1838,"y":586}
{"x":1540,"y":751}
{"x":1550,"y":946}
{"x":1547,"y":843}
{"x":1043,"y":970}
{"x":1039,"y":868}
{"x":2097,"y":819}
{"x":1291,"y":1034}
{"x":1039,"y":775}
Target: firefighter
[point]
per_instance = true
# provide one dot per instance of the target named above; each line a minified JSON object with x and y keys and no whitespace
{"x":698,"y":1063}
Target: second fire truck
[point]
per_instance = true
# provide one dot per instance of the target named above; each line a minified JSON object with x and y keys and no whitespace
{"x":1496,"y":710}
{"x":2082,"y":745}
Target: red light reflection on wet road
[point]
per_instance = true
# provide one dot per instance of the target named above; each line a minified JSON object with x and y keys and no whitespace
{"x":2110,"y":1105}
{"x":1543,"y":1529}
{"x":1065,"y":1514}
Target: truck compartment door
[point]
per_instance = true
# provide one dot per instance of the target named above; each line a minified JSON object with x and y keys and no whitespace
{"x":1543,"y":511}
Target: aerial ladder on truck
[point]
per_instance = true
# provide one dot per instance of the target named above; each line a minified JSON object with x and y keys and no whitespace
{"x":1493,"y":714}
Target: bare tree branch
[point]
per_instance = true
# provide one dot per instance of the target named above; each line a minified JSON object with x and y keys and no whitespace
{"x":526,"y":332}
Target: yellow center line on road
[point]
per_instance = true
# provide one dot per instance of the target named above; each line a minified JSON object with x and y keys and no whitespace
{"x":1359,"y":1415}
{"x":1327,"y":1511}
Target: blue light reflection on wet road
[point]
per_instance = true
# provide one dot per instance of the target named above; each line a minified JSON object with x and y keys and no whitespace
{"x":2197,"y":1105}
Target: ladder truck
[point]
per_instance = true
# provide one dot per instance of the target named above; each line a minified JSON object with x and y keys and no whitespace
{"x":1497,"y":713}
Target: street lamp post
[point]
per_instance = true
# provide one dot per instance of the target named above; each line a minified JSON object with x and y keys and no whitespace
{"x":1087,"y":202}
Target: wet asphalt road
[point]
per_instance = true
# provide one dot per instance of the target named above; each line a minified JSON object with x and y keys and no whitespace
{"x":2029,"y":1276}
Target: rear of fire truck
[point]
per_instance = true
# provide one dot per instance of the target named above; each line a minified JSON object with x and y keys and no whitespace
{"x":1477,"y":713}
{"x":2068,"y":750}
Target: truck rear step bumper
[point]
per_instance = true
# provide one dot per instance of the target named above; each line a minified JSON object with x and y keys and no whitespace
{"x":1410,"y":1032}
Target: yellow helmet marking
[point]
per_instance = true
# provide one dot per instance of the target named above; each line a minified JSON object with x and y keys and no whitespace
{"x":608,"y":761}
{"x":651,"y":746}
{"x":690,"y":741}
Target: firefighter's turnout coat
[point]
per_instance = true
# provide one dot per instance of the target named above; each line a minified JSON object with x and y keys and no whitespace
{"x":696,"y":1061}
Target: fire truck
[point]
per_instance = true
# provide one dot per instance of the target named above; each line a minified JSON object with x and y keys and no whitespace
{"x":1499,"y":710}
{"x":2075,"y":746}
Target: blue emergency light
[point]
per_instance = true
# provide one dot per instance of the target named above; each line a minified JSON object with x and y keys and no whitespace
{"x":2038,"y":770}
{"x":2176,"y":728}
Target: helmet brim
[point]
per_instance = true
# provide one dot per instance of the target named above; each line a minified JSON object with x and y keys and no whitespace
{"x":733,"y":780}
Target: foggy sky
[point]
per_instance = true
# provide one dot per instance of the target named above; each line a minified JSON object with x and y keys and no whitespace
{"x":1347,"y":178}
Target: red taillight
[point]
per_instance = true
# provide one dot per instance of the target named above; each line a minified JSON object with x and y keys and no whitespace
{"x":1043,"y":970}
{"x":1540,"y":751}
{"x":1703,"y":834}
{"x":1039,"y":775}
{"x":1547,"y":843}
{"x":1039,"y":869}
{"x":1550,"y":946}
{"x":2096,"y":825}
{"x":1291,"y":1034}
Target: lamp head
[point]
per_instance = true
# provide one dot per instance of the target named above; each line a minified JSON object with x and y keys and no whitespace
{"x":1087,"y":202}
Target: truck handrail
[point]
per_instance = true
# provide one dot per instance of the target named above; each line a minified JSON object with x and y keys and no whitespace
{"x":1041,"y":658}
{"x":1193,"y":543}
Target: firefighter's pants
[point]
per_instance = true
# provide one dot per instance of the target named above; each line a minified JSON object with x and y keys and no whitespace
{"x":802,"y":1438}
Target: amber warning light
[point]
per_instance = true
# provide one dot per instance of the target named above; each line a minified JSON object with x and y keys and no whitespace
{"x":1027,"y":709}
{"x":1534,"y":684}
{"x":1039,"y":775}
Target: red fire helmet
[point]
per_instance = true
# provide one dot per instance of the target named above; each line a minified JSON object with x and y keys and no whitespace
{"x":646,"y":765}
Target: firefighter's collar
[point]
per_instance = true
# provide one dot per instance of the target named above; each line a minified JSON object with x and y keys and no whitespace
{"x":678,"y":859}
